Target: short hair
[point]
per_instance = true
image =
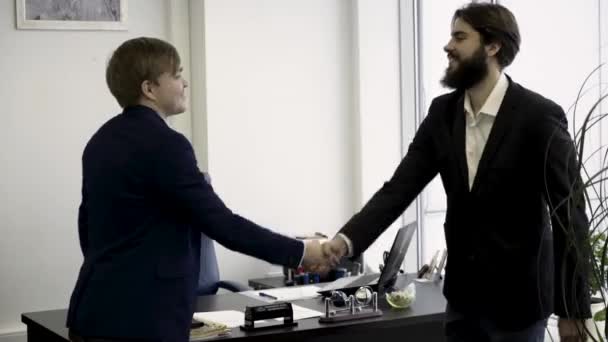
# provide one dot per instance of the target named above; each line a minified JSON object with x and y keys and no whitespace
{"x":138,"y":60}
{"x":495,"y":24}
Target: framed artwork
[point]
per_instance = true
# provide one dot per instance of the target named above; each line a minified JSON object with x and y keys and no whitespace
{"x":71,"y":14}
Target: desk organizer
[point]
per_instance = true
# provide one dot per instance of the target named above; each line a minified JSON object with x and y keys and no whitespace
{"x":352,"y":311}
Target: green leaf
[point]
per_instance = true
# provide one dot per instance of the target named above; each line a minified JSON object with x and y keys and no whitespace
{"x":600,"y":315}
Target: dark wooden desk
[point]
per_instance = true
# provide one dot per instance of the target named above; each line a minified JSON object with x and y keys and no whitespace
{"x":423,"y":321}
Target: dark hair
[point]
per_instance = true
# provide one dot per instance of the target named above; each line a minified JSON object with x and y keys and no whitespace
{"x":138,"y":60}
{"x":495,"y":24}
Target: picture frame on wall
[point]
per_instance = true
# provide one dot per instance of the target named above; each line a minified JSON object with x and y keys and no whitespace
{"x":71,"y":14}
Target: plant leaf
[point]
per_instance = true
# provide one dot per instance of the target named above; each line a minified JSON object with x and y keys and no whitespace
{"x":600,"y":315}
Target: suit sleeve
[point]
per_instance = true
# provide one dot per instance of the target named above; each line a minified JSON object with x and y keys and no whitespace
{"x":82,"y":220}
{"x":416,"y":170}
{"x":564,"y":191}
{"x":183,"y":187}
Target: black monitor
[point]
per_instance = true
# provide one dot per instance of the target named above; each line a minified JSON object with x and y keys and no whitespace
{"x":395,"y":257}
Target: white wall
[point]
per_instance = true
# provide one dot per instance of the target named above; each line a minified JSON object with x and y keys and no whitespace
{"x":54,"y":97}
{"x":300,"y":121}
{"x":536,"y":67}
{"x":279,"y":106}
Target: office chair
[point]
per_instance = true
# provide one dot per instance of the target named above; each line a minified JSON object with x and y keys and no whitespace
{"x":209,"y":277}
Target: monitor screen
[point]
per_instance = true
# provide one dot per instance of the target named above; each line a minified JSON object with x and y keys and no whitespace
{"x":394,"y":260}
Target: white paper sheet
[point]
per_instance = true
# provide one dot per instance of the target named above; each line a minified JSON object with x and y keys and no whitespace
{"x":233,"y":318}
{"x":300,"y":312}
{"x":285,"y":294}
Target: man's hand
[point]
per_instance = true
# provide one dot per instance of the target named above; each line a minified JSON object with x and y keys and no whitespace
{"x":334,"y":250}
{"x":571,"y":330}
{"x":315,"y":260}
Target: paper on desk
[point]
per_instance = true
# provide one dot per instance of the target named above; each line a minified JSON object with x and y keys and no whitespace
{"x":286,"y":294}
{"x":300,"y":312}
{"x":233,"y":319}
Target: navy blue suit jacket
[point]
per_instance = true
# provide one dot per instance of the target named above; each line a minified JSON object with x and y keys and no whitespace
{"x":144,"y":206}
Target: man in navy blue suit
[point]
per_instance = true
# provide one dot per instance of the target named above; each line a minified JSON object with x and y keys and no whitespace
{"x":144,"y":206}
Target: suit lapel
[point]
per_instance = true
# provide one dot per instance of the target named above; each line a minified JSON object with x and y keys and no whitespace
{"x":502,"y":123}
{"x":458,"y":140}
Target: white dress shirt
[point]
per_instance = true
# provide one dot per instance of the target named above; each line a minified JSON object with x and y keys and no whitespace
{"x":479,"y":125}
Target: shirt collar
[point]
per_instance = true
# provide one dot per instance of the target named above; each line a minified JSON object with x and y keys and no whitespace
{"x":494,"y":100}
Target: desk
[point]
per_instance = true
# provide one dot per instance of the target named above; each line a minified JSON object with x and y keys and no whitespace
{"x":267,"y":283}
{"x":273,"y":282}
{"x":423,"y":321}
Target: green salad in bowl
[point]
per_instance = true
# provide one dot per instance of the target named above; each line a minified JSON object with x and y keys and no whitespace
{"x":401,"y":299}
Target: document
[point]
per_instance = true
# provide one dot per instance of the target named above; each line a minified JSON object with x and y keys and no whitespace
{"x":230,"y":318}
{"x":233,"y":318}
{"x":209,"y":330}
{"x":285,"y":294}
{"x":300,"y":312}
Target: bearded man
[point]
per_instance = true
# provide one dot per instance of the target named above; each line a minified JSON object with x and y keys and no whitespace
{"x":515,"y":225}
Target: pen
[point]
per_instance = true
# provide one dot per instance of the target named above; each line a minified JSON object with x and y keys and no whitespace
{"x":262,"y":294}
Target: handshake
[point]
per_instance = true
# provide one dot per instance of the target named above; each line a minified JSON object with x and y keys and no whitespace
{"x":322,"y":258}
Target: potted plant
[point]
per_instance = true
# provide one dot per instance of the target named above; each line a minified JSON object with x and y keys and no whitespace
{"x":593,"y":190}
{"x":597,"y":287}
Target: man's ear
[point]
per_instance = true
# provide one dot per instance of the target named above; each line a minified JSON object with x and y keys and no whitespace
{"x":492,"y":49}
{"x":147,"y":90}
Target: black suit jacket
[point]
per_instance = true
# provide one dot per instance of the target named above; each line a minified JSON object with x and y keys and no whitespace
{"x":504,"y":262}
{"x":144,"y":206}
